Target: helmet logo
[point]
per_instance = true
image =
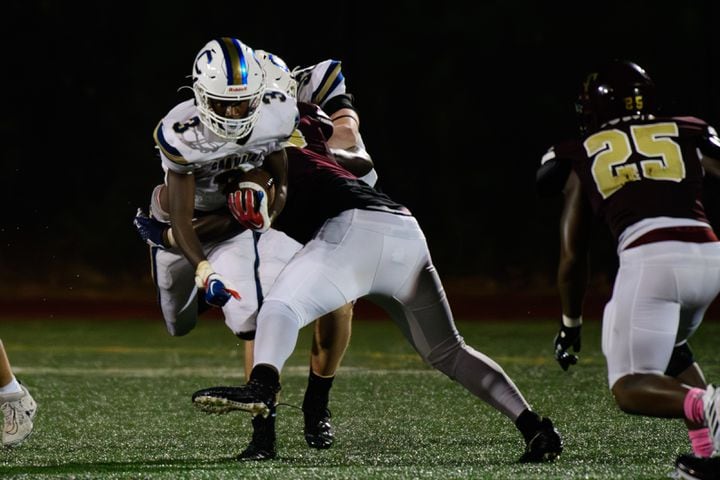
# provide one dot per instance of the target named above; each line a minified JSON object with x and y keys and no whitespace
{"x":590,"y":78}
{"x":208,"y":53}
{"x":235,"y":88}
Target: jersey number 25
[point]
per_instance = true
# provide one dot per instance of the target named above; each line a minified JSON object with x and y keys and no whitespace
{"x":612,"y":148}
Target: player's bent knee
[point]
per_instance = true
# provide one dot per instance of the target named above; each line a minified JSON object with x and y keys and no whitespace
{"x":281,"y":310}
{"x":628,"y":391}
{"x":179,"y":329}
{"x":181,"y":324}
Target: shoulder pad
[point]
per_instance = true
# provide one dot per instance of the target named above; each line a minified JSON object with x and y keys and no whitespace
{"x":321,"y":82}
{"x":708,"y":142}
{"x":552,"y":174}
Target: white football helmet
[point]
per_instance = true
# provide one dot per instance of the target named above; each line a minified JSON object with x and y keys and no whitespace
{"x":227,"y":72}
{"x":277,"y":72}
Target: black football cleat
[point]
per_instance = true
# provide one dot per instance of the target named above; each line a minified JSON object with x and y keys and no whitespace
{"x":262,"y":445}
{"x":690,"y":467}
{"x":253,"y":397}
{"x":542,"y":445}
{"x":318,"y":430}
{"x":253,"y":453}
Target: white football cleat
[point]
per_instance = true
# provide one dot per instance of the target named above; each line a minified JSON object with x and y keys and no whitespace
{"x":711,"y":406}
{"x":18,"y":411}
{"x":27,"y":403}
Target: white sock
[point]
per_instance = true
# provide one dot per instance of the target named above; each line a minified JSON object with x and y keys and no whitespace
{"x":12,"y":387}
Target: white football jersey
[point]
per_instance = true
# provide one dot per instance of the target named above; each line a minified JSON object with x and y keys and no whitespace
{"x":319,"y":83}
{"x":187,"y":146}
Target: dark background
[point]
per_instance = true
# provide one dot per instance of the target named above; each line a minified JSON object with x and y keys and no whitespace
{"x":459,"y":101}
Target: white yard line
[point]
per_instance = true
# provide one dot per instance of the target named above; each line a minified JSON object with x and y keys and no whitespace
{"x":201,"y":371}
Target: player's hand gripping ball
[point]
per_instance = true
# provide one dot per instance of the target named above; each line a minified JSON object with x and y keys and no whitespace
{"x":250,"y":202}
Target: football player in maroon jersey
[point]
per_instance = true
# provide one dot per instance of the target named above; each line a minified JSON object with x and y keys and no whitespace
{"x":358,"y":242}
{"x":643,"y":175}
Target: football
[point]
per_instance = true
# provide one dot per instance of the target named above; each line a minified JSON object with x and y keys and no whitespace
{"x":263,"y":178}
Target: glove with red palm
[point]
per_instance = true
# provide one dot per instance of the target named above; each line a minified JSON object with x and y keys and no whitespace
{"x":249,"y":204}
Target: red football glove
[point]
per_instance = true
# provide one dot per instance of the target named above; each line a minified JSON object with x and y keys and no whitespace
{"x":249,"y":206}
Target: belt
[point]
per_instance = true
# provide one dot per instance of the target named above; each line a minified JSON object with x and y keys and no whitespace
{"x":676,"y":234}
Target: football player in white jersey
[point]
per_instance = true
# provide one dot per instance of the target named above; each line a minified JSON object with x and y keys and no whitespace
{"x":183,"y":136}
{"x":323,"y":84}
{"x":235,"y":122}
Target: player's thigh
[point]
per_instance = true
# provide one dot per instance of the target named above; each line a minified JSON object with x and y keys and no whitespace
{"x":252,"y":262}
{"x":275,"y":250}
{"x":234,"y":259}
{"x":698,"y":286}
{"x":640,"y":323}
{"x":334,"y":268}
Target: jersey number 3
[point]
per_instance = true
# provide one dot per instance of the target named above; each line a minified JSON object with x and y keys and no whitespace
{"x":612,"y":148}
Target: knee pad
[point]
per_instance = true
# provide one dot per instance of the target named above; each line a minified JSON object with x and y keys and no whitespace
{"x":179,"y":328}
{"x":247,"y":336}
{"x":181,"y":323}
{"x":682,"y":357}
{"x":156,"y":209}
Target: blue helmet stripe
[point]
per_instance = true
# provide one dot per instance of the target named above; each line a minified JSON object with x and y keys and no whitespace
{"x":236,"y":66}
{"x":242,"y":62}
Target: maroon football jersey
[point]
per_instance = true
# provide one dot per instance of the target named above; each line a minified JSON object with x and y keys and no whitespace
{"x":642,"y":168}
{"x":318,"y":187}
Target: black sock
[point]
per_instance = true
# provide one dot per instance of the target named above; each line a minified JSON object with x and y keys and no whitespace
{"x":264,"y":430}
{"x":528,"y":423}
{"x":317,"y":394}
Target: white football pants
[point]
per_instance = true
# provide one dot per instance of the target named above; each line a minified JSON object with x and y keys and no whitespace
{"x":384,"y":256}
{"x":661,"y":293}
{"x":250,"y":263}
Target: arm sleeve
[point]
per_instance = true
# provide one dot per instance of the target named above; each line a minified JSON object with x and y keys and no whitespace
{"x":338,"y":102}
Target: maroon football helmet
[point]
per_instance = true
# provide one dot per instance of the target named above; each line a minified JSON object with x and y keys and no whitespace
{"x":618,"y":89}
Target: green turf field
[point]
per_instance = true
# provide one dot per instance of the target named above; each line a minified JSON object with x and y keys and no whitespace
{"x":114,"y":402}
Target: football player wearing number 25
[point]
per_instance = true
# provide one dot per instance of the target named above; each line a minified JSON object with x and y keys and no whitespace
{"x":643,"y":175}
